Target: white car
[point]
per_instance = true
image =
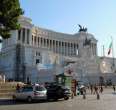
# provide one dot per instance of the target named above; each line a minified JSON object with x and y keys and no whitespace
{"x":30,"y":93}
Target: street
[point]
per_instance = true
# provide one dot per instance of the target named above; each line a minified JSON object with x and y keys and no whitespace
{"x":107,"y":102}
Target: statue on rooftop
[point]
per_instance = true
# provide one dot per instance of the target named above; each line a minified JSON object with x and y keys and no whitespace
{"x":82,"y":29}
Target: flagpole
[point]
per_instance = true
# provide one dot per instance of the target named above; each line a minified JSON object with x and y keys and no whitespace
{"x":113,"y":51}
{"x":103,"y":51}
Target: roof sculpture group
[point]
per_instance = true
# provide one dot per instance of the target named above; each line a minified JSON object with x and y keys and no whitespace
{"x":82,"y":29}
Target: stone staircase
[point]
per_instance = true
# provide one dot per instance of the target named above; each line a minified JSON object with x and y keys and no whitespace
{"x":7,"y":89}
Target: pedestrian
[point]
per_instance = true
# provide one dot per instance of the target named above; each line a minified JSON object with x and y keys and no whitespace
{"x":96,"y":92}
{"x":84,"y":93}
{"x":91,"y":89}
{"x":95,"y":89}
{"x":101,"y":89}
{"x":114,"y":88}
{"x":98,"y":96}
{"x":18,"y":87}
{"x":72,"y":94}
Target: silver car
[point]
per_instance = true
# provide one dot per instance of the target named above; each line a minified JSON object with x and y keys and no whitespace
{"x":30,"y":93}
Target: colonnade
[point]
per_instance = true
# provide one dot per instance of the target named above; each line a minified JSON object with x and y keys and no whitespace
{"x":57,"y":46}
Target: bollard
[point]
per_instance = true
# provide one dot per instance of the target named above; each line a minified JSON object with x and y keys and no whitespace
{"x":98,"y":96}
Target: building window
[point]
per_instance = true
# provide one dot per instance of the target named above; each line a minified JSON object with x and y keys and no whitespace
{"x":62,"y":43}
{"x":50,"y":41}
{"x":65,"y":44}
{"x":56,"y":43}
{"x":44,"y":42}
{"x":68,"y":44}
{"x":71,"y":45}
{"x":23,"y":39}
{"x":77,"y":45}
{"x":35,"y":40}
{"x":19,"y":34}
{"x":38,"y":41}
{"x":37,"y":53}
{"x":53,"y":42}
{"x":74,"y":46}
{"x":32,"y":39}
{"x":47,"y":42}
{"x":41,"y":41}
{"x":59,"y":43}
{"x":37,"y":61}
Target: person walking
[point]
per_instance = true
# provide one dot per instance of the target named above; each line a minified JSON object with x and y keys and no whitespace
{"x":114,"y":88}
{"x":101,"y":89}
{"x":18,"y":87}
{"x":91,"y":89}
{"x":72,"y":94}
{"x":96,"y":92}
{"x":84,"y":93}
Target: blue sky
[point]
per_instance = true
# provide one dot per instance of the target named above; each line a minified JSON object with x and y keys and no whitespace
{"x":99,"y":16}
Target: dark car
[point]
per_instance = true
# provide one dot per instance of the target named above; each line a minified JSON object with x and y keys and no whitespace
{"x":57,"y":92}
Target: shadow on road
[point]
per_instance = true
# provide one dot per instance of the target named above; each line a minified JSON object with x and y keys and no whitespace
{"x":12,"y":102}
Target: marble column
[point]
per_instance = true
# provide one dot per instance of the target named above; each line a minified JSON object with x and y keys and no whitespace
{"x":76,"y":49}
{"x":54,"y":45}
{"x":73,"y":49}
{"x":45,"y":42}
{"x":49,"y":44}
{"x":63,"y":48}
{"x":69,"y":49}
{"x":25,"y":36}
{"x":58,"y":48}
{"x":66,"y":49}
{"x":37,"y":40}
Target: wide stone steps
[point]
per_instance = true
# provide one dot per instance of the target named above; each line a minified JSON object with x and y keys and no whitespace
{"x":7,"y":89}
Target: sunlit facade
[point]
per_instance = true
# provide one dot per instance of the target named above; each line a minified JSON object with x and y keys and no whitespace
{"x":29,"y":48}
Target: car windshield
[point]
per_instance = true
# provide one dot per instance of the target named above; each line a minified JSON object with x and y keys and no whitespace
{"x":39,"y":88}
{"x":27,"y":89}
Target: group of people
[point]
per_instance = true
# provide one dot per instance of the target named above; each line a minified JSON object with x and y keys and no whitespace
{"x":96,"y":89}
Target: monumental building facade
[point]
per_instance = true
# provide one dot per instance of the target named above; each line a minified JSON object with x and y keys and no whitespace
{"x":35,"y":54}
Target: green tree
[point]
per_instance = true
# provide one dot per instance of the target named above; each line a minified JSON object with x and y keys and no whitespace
{"x":9,"y":13}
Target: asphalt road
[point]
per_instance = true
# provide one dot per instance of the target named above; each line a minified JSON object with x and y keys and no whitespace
{"x":107,"y":102}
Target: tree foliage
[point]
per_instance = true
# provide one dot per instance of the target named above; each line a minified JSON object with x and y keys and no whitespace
{"x":9,"y":13}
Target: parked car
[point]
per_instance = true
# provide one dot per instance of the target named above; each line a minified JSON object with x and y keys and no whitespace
{"x":30,"y":93}
{"x":56,"y":92}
